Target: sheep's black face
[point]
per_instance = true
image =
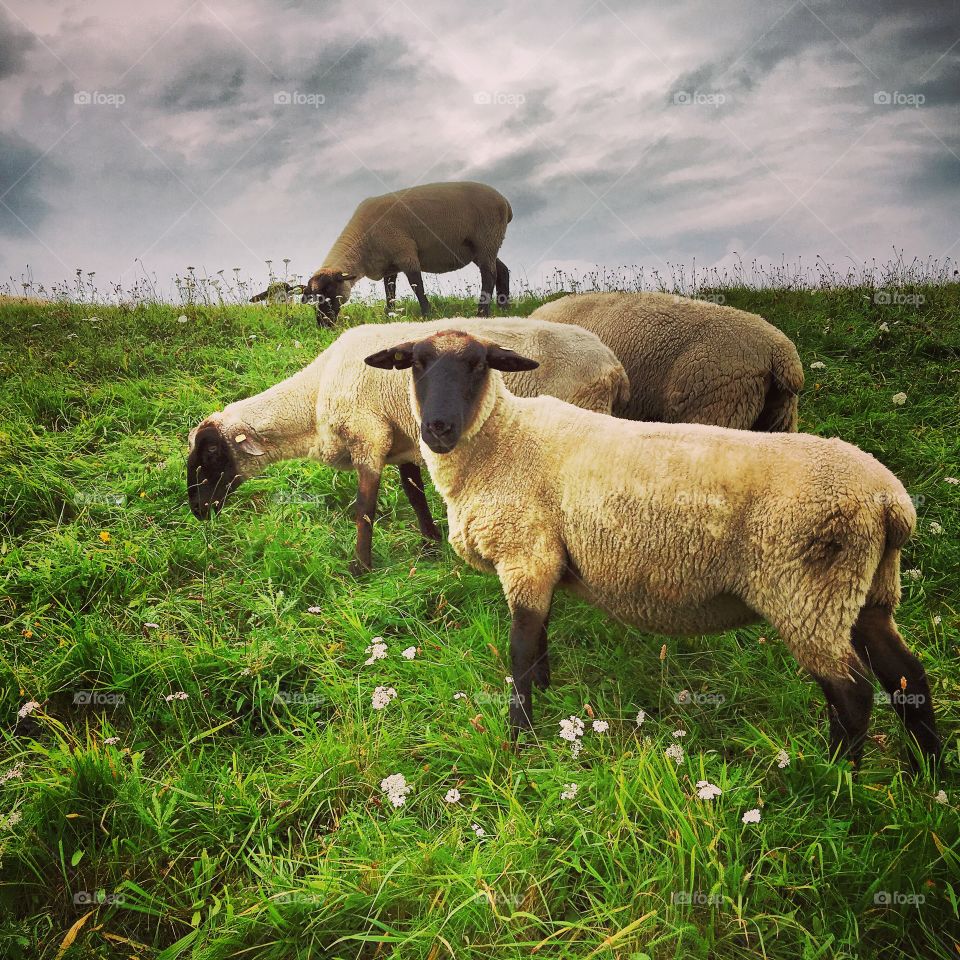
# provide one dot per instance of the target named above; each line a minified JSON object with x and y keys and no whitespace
{"x":450,"y":372}
{"x":211,"y":472}
{"x":327,"y":291}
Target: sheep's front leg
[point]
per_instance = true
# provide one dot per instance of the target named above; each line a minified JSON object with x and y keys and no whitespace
{"x":390,"y":289}
{"x":525,"y":632}
{"x":528,"y":584}
{"x":415,"y":279}
{"x":367,"y":490}
{"x":411,"y":478}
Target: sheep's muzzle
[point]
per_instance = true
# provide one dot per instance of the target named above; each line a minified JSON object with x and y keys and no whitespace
{"x":211,"y":472}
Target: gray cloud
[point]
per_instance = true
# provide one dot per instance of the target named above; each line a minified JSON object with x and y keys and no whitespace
{"x":798,"y":159}
{"x":15,"y":44}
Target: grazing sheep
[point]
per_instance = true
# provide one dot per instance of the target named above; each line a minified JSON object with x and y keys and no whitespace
{"x":437,"y":227}
{"x":692,"y":361}
{"x":278,"y":292}
{"x":7,"y":298}
{"x":677,"y":528}
{"x":351,"y":417}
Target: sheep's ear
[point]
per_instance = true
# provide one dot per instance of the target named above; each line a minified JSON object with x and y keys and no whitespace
{"x":249,"y":442}
{"x":348,"y":276}
{"x":393,"y":358}
{"x":260,"y":296}
{"x":500,"y":359}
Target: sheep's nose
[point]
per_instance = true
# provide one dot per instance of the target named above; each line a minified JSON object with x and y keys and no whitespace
{"x":440,"y":428}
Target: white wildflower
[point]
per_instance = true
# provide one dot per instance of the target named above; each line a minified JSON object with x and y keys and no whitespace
{"x":641,"y":716}
{"x":913,"y":574}
{"x":182,"y":318}
{"x":377,"y":651}
{"x":751,"y":816}
{"x":600,"y":726}
{"x":478,"y":830}
{"x":459,"y":695}
{"x":14,"y":773}
{"x":179,"y":695}
{"x":953,"y":480}
{"x":409,"y":653}
{"x":885,"y":327}
{"x":382,"y":696}
{"x":571,"y":729}
{"x":509,"y":680}
{"x":28,"y":708}
{"x":12,"y":820}
{"x":314,"y":610}
{"x":935,"y":528}
{"x":575,"y":748}
{"x":569,"y":791}
{"x":396,"y":788}
{"x":941,"y":797}
{"x":899,"y":399}
{"x":675,"y":753}
{"x":707,"y":790}
{"x":937,"y":620}
{"x":818,"y":365}
{"x":783,"y":759}
{"x":677,"y":734}
{"x":110,"y":741}
{"x":452,"y":796}
{"x":151,"y":626}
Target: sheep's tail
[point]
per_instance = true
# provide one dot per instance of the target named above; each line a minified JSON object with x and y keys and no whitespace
{"x":899,"y":520}
{"x":779,"y":411}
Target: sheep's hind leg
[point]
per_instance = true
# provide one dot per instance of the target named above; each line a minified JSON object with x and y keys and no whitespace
{"x":411,"y":478}
{"x":849,"y":702}
{"x":390,"y":289}
{"x":878,"y":642}
{"x":503,"y":286}
{"x":488,"y":279}
{"x":415,"y":279}
{"x":368,"y":489}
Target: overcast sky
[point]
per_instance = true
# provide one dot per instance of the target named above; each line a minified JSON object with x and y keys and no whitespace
{"x":622,"y":132}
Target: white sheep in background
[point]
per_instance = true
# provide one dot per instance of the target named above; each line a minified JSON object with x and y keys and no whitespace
{"x":679,"y":529}
{"x":349,"y":416}
{"x":692,"y":361}
{"x":434,"y":228}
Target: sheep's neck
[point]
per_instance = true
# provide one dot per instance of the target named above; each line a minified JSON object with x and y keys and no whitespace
{"x":346,"y":255}
{"x":283,"y":417}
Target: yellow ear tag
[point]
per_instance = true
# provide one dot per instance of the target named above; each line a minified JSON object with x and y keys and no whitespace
{"x":398,"y":356}
{"x":241,"y":437}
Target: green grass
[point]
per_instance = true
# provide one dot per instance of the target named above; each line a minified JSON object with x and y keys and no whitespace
{"x":247,"y":820}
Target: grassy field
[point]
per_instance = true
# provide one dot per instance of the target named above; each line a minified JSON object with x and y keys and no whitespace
{"x":200,"y":773}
